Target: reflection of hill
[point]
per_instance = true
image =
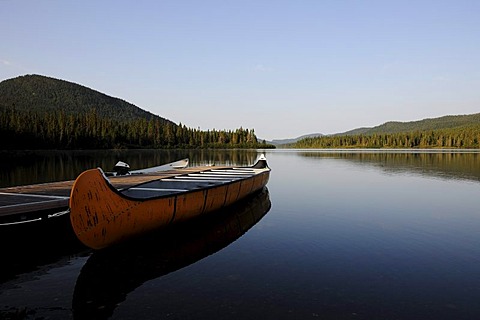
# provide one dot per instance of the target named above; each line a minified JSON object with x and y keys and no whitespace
{"x":442,"y":164}
{"x":109,"y":275}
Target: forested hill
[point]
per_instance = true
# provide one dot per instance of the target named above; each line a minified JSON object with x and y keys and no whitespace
{"x":38,"y":112}
{"x":461,"y":131}
{"x":43,"y":94}
{"x":446,"y":122}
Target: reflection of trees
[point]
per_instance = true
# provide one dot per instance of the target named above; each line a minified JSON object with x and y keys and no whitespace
{"x":109,"y":275}
{"x":456,"y":165}
{"x":28,"y":167}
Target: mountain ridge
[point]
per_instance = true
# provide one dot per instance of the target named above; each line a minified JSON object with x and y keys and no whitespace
{"x":293,"y":140}
{"x":42,"y":93}
{"x":392,"y":127}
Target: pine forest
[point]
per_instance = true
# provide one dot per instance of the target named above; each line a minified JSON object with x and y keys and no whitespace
{"x":465,"y":137}
{"x":58,"y":130}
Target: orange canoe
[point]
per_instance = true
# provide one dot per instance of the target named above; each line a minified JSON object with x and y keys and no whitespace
{"x":101,"y":215}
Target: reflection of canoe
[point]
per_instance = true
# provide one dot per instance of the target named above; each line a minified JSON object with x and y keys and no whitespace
{"x":101,"y":215}
{"x":109,"y":275}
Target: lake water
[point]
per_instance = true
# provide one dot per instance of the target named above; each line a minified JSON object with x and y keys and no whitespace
{"x":337,"y":235}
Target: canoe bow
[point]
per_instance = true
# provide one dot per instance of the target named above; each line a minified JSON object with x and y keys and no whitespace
{"x":99,"y":214}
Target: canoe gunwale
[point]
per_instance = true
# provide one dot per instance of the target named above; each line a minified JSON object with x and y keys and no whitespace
{"x":256,"y":172}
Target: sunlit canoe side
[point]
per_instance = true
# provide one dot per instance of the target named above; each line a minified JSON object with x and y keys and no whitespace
{"x":101,"y":215}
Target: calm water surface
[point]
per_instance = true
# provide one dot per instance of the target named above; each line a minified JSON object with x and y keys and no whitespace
{"x":337,"y":235}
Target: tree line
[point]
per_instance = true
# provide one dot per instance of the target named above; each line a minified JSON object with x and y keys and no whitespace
{"x":467,"y":137}
{"x":60,"y":130}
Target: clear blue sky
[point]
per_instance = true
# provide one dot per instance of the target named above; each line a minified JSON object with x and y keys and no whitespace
{"x":284,"y":68}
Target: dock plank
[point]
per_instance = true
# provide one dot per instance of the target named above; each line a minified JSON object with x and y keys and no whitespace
{"x":55,"y":195}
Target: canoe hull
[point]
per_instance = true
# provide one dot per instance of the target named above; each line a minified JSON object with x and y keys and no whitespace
{"x":101,"y":216}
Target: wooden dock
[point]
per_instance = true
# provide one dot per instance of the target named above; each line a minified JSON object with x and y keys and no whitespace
{"x":34,"y":202}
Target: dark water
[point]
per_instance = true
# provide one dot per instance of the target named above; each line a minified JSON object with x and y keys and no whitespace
{"x":337,"y":235}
